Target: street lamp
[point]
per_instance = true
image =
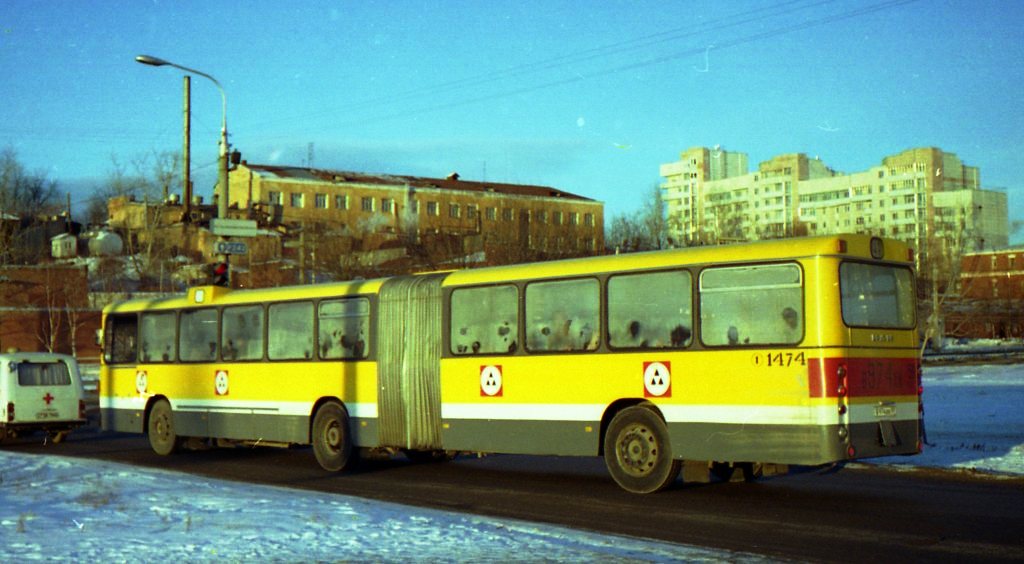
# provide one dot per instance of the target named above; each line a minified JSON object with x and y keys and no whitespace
{"x":222,"y":160}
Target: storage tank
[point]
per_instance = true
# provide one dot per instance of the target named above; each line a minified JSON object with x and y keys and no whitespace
{"x":105,"y":244}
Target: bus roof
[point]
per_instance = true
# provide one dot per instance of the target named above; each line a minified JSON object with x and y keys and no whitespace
{"x":855,"y":245}
{"x":215,"y":295}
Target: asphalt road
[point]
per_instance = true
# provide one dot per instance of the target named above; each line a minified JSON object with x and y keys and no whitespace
{"x":854,"y":514}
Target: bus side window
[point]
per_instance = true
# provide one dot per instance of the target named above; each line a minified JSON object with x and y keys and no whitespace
{"x":484,"y":320}
{"x":197,"y":339}
{"x":344,"y":326}
{"x":650,"y":310}
{"x":242,"y":333}
{"x":752,"y":305}
{"x":290,"y":333}
{"x":122,"y":333}
{"x":563,"y":315}
{"x":157,"y":337}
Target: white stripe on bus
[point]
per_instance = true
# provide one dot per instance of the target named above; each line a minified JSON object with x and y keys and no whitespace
{"x":221,"y":405}
{"x":733,"y":414}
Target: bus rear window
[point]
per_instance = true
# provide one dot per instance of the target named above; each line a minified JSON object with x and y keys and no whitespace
{"x":877,"y":296}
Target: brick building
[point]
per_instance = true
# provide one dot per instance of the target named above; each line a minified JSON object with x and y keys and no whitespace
{"x":377,"y":208}
{"x":44,"y":307}
{"x":990,"y":296}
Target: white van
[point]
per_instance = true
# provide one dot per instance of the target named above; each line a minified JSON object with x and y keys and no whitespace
{"x":40,"y":392}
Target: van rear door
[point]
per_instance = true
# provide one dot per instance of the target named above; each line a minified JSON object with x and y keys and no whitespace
{"x":46,"y":390}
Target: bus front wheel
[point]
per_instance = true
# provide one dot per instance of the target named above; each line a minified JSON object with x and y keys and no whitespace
{"x":332,"y":441}
{"x":162,"y":436}
{"x":637,"y":451}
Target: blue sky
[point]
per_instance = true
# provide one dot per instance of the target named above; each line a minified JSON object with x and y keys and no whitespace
{"x":589,"y":97}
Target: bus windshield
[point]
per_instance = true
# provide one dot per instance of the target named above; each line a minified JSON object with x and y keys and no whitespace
{"x":877,"y":296}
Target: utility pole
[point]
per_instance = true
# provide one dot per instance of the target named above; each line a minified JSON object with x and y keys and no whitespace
{"x":186,"y":154}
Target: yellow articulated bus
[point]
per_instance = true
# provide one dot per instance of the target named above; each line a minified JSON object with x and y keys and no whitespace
{"x":797,"y":351}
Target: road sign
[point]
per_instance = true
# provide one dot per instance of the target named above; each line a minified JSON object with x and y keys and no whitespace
{"x":230,"y":248}
{"x":225,"y":227}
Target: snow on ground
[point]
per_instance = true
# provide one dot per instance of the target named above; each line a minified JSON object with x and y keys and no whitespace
{"x":973,"y":419}
{"x":53,"y":507}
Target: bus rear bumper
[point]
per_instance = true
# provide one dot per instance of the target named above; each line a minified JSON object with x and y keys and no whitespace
{"x":808,"y":445}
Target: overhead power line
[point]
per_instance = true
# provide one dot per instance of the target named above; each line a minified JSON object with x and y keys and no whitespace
{"x":573,"y":59}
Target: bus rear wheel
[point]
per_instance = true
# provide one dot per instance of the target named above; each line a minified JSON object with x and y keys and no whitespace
{"x":162,"y":436}
{"x":638,"y":453}
{"x":332,"y":440}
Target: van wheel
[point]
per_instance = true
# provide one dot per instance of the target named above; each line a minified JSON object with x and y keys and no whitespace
{"x":162,"y":437}
{"x":638,"y":453}
{"x":332,"y":440}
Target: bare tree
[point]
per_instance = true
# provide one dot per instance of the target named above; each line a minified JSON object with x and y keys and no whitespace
{"x":147,"y":181}
{"x":50,"y":326}
{"x":23,"y":197}
{"x":939,"y":270}
{"x":22,"y":193}
{"x":643,"y":230}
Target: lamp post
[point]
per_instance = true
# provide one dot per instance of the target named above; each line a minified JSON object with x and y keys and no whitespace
{"x":222,"y":159}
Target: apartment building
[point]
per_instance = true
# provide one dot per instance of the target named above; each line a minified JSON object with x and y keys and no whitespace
{"x":924,"y":196}
{"x":385,"y":206}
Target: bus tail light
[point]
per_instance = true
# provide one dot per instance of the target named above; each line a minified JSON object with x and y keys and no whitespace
{"x":841,"y":374}
{"x":81,"y":409}
{"x":851,"y":452}
{"x":10,"y":412}
{"x":841,"y":246}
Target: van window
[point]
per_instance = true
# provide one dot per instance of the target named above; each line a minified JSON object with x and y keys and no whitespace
{"x":43,"y":374}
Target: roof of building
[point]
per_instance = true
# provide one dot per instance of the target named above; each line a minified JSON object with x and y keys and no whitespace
{"x":452,"y":182}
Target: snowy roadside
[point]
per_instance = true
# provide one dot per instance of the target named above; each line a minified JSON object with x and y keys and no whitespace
{"x":973,"y":419}
{"x":53,"y":507}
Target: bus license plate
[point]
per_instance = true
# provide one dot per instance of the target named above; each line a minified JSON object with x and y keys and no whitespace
{"x":885,"y":410}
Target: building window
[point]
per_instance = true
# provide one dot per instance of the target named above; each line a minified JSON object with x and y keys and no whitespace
{"x":454,"y":211}
{"x":588,"y":219}
{"x":298,"y":199}
{"x":274,"y":198}
{"x":321,"y":201}
{"x":542,"y":216}
{"x":341,"y":202}
{"x":557,"y":217}
{"x":508,"y":214}
{"x":414,"y":207}
{"x":387,"y":205}
{"x":471,"y":212}
{"x":432,"y":208}
{"x":492,"y":214}
{"x":367,"y":204}
{"x":574,"y":218}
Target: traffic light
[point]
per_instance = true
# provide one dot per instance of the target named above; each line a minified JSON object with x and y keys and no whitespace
{"x":220,"y":274}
